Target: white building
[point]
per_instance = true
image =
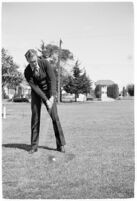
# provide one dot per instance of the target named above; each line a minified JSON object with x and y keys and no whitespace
{"x":104,"y":84}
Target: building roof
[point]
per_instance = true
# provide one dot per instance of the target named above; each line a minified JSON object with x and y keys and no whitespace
{"x":104,"y":82}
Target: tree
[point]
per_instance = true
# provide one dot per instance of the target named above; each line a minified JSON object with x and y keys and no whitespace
{"x":7,"y":66}
{"x":51,"y":53}
{"x":78,"y":82}
{"x":76,"y":79}
{"x":69,"y":84}
{"x":85,"y":84}
{"x":98,"y":91}
{"x":15,"y":79}
{"x":130,"y":89}
{"x":11,"y":77}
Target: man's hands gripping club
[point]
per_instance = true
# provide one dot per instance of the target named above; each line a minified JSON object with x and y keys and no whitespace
{"x":50,"y":102}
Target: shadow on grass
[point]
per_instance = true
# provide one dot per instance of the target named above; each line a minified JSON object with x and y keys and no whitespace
{"x":25,"y":147}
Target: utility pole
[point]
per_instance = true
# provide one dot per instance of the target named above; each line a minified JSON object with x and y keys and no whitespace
{"x":59,"y":55}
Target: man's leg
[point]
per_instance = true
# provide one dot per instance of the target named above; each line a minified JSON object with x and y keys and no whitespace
{"x":35,"y":119}
{"x":60,"y":139}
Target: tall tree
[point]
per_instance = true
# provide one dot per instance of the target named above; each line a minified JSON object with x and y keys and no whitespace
{"x":85,"y":84}
{"x":11,"y":77}
{"x":76,"y":79}
{"x":51,"y":53}
{"x":78,"y":82}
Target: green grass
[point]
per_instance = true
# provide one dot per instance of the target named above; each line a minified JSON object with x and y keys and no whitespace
{"x":99,"y":158}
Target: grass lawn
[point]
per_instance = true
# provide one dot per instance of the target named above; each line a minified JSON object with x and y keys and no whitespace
{"x":99,"y":158}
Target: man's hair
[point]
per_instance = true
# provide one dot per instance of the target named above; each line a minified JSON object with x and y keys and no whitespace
{"x":30,"y":53}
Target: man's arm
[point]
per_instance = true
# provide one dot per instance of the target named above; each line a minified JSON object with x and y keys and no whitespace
{"x":51,"y":78}
{"x":35,"y":87}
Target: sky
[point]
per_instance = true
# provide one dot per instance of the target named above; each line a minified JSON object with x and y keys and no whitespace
{"x":99,"y":34}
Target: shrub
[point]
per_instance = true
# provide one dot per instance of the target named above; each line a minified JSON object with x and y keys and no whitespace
{"x":124,"y":92}
{"x":113,"y":91}
{"x":130,"y":89}
{"x":98,"y":91}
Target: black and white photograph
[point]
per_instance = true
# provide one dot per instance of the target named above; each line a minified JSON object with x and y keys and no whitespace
{"x":67,"y":93}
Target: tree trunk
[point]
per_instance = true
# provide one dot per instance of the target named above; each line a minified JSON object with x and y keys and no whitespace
{"x":15,"y":91}
{"x":60,"y":95}
{"x":75,"y":97}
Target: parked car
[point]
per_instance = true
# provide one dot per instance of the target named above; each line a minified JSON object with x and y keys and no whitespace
{"x":90,"y":97}
{"x":18,"y":99}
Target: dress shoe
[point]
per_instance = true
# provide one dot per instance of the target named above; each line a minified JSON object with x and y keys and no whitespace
{"x":33,"y":151}
{"x":61,"y":149}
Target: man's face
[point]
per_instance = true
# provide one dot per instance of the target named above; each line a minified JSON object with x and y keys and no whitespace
{"x":33,"y":61}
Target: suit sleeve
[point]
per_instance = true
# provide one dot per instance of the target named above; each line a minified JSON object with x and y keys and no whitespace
{"x":34,"y":86}
{"x":51,"y":78}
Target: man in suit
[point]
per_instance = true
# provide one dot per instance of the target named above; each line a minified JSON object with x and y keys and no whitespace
{"x":41,"y":78}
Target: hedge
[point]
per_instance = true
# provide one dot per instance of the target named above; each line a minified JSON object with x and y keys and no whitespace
{"x":113,"y":91}
{"x":98,"y":91}
{"x":130,"y":89}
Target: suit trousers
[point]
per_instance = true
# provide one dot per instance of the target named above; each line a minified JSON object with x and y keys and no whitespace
{"x":36,"y":103}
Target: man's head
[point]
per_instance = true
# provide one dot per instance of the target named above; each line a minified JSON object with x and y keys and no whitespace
{"x":32,"y":58}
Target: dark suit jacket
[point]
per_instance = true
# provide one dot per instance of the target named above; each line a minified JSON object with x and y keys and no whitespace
{"x":47,"y":74}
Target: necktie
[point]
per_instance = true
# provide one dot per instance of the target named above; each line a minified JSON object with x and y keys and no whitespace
{"x":36,"y":72}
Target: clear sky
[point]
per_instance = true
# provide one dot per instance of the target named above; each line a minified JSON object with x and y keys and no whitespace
{"x":100,"y":35}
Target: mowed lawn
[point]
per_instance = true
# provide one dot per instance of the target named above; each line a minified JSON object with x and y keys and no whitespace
{"x":99,"y":158}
